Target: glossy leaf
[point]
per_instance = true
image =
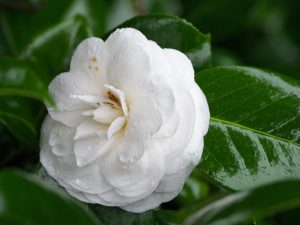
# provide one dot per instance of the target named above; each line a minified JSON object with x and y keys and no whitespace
{"x":16,"y":78}
{"x":242,"y":207}
{"x":254,"y":134}
{"x":16,"y":116}
{"x":223,"y":18}
{"x":21,"y":21}
{"x":50,"y":52}
{"x":194,"y":190}
{"x":25,"y":201}
{"x":173,"y":32}
{"x":117,"y":216}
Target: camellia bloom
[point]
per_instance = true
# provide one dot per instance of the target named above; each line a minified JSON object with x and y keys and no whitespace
{"x":128,"y":125}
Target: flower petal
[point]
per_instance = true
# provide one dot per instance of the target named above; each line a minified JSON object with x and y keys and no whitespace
{"x":150,"y":202}
{"x":58,"y":134}
{"x":138,"y":179}
{"x":182,"y":67}
{"x":164,"y":100}
{"x":90,"y":149}
{"x":116,"y":126}
{"x":126,"y":36}
{"x":121,"y":97}
{"x":90,"y":57}
{"x":195,"y":146}
{"x":173,"y":182}
{"x":105,"y":114}
{"x":128,"y":70}
{"x":68,"y":109}
{"x":88,"y":129}
{"x":128,"y":124}
{"x":65,"y":170}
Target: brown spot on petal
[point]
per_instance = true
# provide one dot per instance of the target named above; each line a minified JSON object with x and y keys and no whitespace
{"x":112,"y":97}
{"x":97,"y":68}
{"x":94,"y":59}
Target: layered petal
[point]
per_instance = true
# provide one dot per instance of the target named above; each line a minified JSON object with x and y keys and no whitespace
{"x":64,"y":89}
{"x":137,"y":179}
{"x":128,"y":124}
{"x":90,"y":57}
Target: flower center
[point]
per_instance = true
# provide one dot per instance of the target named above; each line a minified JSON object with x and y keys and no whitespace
{"x":110,"y":110}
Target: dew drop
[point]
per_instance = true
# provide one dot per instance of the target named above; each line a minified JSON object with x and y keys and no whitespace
{"x":60,"y":105}
{"x":78,"y":181}
{"x":131,"y":160}
{"x":152,"y":183}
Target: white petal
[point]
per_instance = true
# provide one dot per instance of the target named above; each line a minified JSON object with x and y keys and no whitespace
{"x":164,"y":99}
{"x":128,"y":70}
{"x":88,"y":113}
{"x":126,"y":36}
{"x":182,"y":67}
{"x":116,"y":126}
{"x":142,"y":124}
{"x":79,"y":195}
{"x":90,"y":57}
{"x":134,"y":152}
{"x":68,"y":109}
{"x":202,"y":110}
{"x":173,"y":182}
{"x":90,"y":128}
{"x":138,"y":179}
{"x":85,"y":179}
{"x":121,"y":97}
{"x":160,"y":64}
{"x":53,"y":136}
{"x":93,"y":100}
{"x":150,"y":202}
{"x":169,"y":127}
{"x":98,"y":199}
{"x":186,"y":111}
{"x":115,"y":199}
{"x":106,"y":114}
{"x":90,"y":149}
{"x":46,"y":156}
{"x":65,"y":170}
{"x":195,"y":146}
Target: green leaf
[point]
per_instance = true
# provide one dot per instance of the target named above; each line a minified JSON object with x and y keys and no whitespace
{"x":21,"y":21}
{"x":224,"y":19}
{"x":194,"y":189}
{"x":16,"y":78}
{"x":173,"y":32}
{"x":50,"y":52}
{"x":25,"y":201}
{"x":265,"y":222}
{"x":15,"y":114}
{"x":254,"y":134}
{"x":242,"y":207}
{"x":117,"y":216}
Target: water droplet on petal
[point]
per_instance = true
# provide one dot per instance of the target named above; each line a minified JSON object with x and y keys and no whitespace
{"x":78,"y":181}
{"x":153,"y":183}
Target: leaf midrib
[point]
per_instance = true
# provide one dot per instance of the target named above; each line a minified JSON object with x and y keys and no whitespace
{"x":27,"y":123}
{"x":252,"y":130}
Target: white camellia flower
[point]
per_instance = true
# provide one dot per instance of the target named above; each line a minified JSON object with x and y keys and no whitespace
{"x":128,"y":125}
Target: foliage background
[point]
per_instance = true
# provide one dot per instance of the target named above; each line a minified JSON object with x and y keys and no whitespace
{"x":37,"y":38}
